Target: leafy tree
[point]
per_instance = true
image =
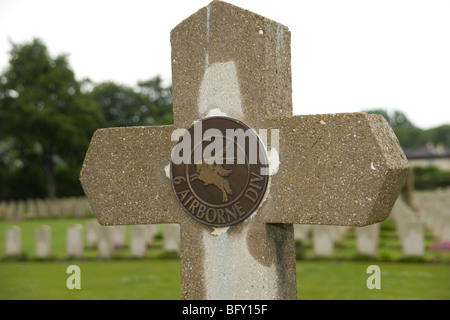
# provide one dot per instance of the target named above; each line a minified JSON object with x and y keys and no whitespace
{"x":123,"y":106}
{"x":431,"y":177}
{"x":161,"y":97}
{"x":440,"y":134}
{"x":154,"y":90}
{"x":407,"y":134}
{"x":411,"y":137}
{"x":47,"y":123}
{"x":396,"y":119}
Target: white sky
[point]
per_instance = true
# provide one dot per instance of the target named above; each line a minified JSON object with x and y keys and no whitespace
{"x":347,"y":55}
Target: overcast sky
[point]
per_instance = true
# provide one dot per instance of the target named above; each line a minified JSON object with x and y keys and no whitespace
{"x":347,"y":55}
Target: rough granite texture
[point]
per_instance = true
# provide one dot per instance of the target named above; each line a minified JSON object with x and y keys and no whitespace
{"x":335,"y":169}
{"x":259,"y":47}
{"x":341,"y":169}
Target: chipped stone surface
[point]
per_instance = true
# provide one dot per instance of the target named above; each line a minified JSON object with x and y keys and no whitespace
{"x":342,"y":169}
{"x":335,"y":169}
{"x":123,"y":175}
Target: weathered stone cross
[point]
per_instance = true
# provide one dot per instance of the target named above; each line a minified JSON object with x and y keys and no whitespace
{"x":335,"y":169}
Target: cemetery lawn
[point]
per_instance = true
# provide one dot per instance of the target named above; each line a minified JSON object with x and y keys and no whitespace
{"x":160,"y":279}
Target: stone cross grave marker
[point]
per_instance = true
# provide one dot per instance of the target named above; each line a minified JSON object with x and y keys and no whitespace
{"x":230,"y":71}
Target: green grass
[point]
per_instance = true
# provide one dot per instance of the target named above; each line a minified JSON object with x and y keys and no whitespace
{"x":347,"y":280}
{"x":131,"y":279}
{"x":160,"y":279}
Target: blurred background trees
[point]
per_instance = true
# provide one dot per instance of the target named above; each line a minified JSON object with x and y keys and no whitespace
{"x":428,"y":151}
{"x":409,"y":135}
{"x":124,"y":106}
{"x":47,"y":120}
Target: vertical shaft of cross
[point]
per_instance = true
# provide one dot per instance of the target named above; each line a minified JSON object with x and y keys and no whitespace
{"x":229,"y":61}
{"x":220,"y":44}
{"x":251,"y":260}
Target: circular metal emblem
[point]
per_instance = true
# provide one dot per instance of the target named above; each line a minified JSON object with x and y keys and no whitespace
{"x":219,"y":171}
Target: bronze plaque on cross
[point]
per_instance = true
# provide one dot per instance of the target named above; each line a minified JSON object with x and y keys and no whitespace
{"x":219,"y":171}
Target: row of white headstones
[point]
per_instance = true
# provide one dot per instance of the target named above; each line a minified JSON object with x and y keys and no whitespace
{"x":45,"y":208}
{"x":105,"y":239}
{"x":434,"y":214}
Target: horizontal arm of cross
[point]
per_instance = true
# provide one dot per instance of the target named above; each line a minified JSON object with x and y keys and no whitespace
{"x":124,"y":176}
{"x":338,"y":169}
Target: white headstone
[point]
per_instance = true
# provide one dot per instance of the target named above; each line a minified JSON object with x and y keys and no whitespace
{"x":20,"y":211}
{"x":323,"y":240}
{"x":429,"y":218}
{"x":75,"y":241}
{"x":150,"y":232}
{"x":435,"y":226}
{"x":3,"y":207}
{"x":80,"y":207}
{"x":42,"y":208}
{"x":445,"y":232}
{"x":10,"y":210}
{"x":412,"y":237}
{"x":138,"y":246}
{"x":104,"y":243}
{"x":367,"y":239}
{"x":13,"y":241}
{"x":171,"y":237}
{"x":65,"y":205}
{"x":118,"y":236}
{"x":31,"y":211}
{"x":53,"y":207}
{"x":301,"y":232}
{"x":92,"y":226}
{"x":340,"y":232}
{"x":440,"y":224}
{"x":43,"y":242}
